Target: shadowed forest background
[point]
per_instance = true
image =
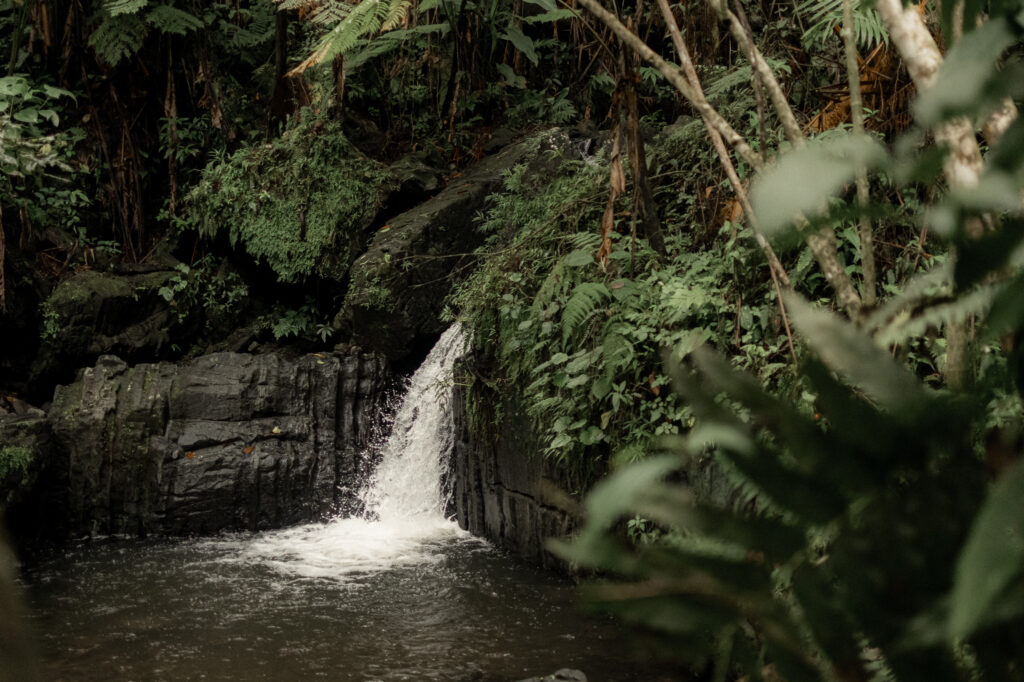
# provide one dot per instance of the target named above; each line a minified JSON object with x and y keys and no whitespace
{"x":752,"y":268}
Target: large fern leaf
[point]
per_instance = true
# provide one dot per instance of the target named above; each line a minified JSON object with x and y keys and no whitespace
{"x":585,"y":299}
{"x":824,"y":16}
{"x":118,"y":37}
{"x":168,"y":19}
{"x":356,"y":21}
{"x":115,"y":8}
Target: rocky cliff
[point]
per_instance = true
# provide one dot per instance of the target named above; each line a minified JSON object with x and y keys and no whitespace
{"x":503,"y":489}
{"x":224,"y":442}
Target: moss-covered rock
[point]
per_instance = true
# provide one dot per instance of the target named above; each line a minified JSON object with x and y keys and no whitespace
{"x":94,"y":313}
{"x":304,"y":204}
{"x":27,"y":466}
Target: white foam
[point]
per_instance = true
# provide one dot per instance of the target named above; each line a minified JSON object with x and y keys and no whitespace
{"x":404,"y":521}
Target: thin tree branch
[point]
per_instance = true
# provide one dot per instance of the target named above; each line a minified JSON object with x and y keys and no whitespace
{"x":867,"y":239}
{"x":673,"y":76}
{"x":822,"y":243}
{"x":760,"y":67}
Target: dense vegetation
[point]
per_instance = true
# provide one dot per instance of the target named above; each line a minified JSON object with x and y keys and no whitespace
{"x":791,"y":263}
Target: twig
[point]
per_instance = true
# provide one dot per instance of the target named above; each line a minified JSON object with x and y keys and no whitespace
{"x":867,"y":247}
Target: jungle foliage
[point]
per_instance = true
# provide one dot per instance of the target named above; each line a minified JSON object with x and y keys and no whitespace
{"x":302,"y":203}
{"x":878,"y":534}
{"x":807,"y":282}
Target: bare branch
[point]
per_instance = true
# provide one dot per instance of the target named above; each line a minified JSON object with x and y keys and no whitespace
{"x":673,"y":75}
{"x":760,"y":67}
{"x":867,"y":239}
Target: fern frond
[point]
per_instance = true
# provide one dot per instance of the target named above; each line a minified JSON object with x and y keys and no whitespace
{"x":583,"y":241}
{"x":167,"y":19}
{"x":553,"y":284}
{"x":329,"y":13}
{"x":395,"y":14}
{"x":118,"y":37}
{"x":366,"y":17}
{"x":824,"y":16}
{"x":301,"y":5}
{"x":116,"y":8}
{"x":585,"y":299}
{"x":732,"y":78}
{"x":258,"y":31}
{"x":976,"y":302}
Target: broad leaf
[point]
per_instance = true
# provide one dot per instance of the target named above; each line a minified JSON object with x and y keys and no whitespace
{"x":803,"y":180}
{"x":521,"y":41}
{"x":992,"y":558}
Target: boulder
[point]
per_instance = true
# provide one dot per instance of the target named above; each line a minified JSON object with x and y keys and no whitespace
{"x":96,"y":313}
{"x":227,"y":441}
{"x":398,"y":286}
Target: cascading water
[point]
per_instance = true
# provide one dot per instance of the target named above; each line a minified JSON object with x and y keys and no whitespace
{"x":404,"y":519}
{"x":398,"y":593}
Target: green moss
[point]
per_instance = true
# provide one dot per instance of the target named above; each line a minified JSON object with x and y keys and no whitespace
{"x":14,"y":461}
{"x":303,"y":204}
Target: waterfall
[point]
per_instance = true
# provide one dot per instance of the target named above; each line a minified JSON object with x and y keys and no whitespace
{"x":407,"y":482}
{"x":403,"y":522}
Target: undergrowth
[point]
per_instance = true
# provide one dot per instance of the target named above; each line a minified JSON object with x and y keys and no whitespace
{"x":584,"y":345}
{"x":302,"y":203}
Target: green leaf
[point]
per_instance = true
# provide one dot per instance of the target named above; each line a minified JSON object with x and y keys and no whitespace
{"x":56,"y":93}
{"x":847,"y":350}
{"x":510,"y":76}
{"x":577,"y":381}
{"x":992,"y":558}
{"x":13,"y":86}
{"x":167,"y":19}
{"x":118,"y":7}
{"x":29,"y":115}
{"x":616,"y":495}
{"x":521,"y":41}
{"x":560,"y":441}
{"x":964,"y":77}
{"x":802,"y":180}
{"x":591,"y":435}
{"x":579,"y":258}
{"x":554,"y":15}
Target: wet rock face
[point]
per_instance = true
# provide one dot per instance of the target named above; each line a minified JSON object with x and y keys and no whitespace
{"x":95,"y":313}
{"x":225,"y":442}
{"x":503,"y":488}
{"x":399,"y":285}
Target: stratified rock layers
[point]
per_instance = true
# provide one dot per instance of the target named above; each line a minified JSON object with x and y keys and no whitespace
{"x":225,"y":442}
{"x":504,"y":489}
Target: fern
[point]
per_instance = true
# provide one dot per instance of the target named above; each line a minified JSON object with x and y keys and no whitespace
{"x":351,"y":24}
{"x":934,"y":316}
{"x":167,"y":19}
{"x":118,"y":37}
{"x":394,"y":15}
{"x":585,"y":299}
{"x":259,"y":30}
{"x":825,"y":15}
{"x":367,"y":49}
{"x":115,"y":8}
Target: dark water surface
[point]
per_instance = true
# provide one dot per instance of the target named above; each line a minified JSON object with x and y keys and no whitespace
{"x":280,"y":606}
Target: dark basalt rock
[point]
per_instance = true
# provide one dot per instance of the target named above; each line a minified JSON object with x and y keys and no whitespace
{"x":563,"y":675}
{"x":27,"y":448}
{"x":503,"y":488}
{"x":95,"y":313}
{"x":225,"y":442}
{"x":399,"y":285}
